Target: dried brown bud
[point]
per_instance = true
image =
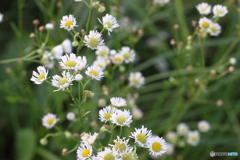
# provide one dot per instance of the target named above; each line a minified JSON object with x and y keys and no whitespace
{"x":213,"y":72}
{"x":172,"y":42}
{"x":189,"y":68}
{"x":230,"y":69}
{"x":8,"y":70}
{"x":41,"y":28}
{"x":36,"y":22}
{"x":75,"y":135}
{"x":176,"y":26}
{"x":83,"y":33}
{"x":32,"y":35}
{"x":94,"y":124}
{"x":180,"y":44}
{"x":105,"y":90}
{"x":194,"y":23}
{"x":82,"y":134}
{"x":122,"y":78}
{"x":64,"y":152}
{"x":189,"y":38}
{"x":219,"y":102}
{"x":140,"y":32}
{"x":196,"y":81}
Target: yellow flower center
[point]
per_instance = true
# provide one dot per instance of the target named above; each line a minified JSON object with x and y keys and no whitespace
{"x":117,"y":59}
{"x":141,"y":138}
{"x":99,"y":65}
{"x":126,"y":55}
{"x":193,"y":138}
{"x":214,"y":30}
{"x":127,"y":156}
{"x":94,"y":73}
{"x":120,"y":147}
{"x":156,"y":147}
{"x":70,"y":64}
{"x":219,"y":11}
{"x":86,"y":153}
{"x":109,"y":156}
{"x":203,"y":9}
{"x":68,"y":24}
{"x":108,"y":24}
{"x":93,"y":42}
{"x":135,"y":81}
{"x":41,"y":76}
{"x":107,"y":116}
{"x":121,"y":119}
{"x":62,"y":81}
{"x":50,"y":121}
{"x":102,"y":53}
{"x":205,"y":24}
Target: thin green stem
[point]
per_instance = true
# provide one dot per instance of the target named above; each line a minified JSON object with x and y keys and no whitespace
{"x":89,"y":16}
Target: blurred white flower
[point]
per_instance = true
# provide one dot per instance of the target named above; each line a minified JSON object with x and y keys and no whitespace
{"x":105,"y":114}
{"x":49,"y":120}
{"x":233,"y":61}
{"x":204,"y":23}
{"x":88,"y":138}
{"x":102,"y":51}
{"x":170,"y":149}
{"x":67,"y":46}
{"x":118,"y":102}
{"x":193,"y":138}
{"x":141,"y":136}
{"x":1,"y":17}
{"x":204,"y":8}
{"x":137,"y":113}
{"x":121,"y":118}
{"x":203,"y":126}
{"x":171,"y":137}
{"x":128,"y":54}
{"x":214,"y":29}
{"x":136,"y":79}
{"x":57,"y":52}
{"x":219,"y":10}
{"x":63,"y":82}
{"x":84,"y":152}
{"x":49,"y":26}
{"x":182,"y":129}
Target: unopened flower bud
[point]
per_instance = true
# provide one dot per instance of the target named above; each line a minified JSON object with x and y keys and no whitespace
{"x":49,"y":26}
{"x":104,"y":128}
{"x":219,"y":102}
{"x":8,"y":70}
{"x":176,"y":26}
{"x":43,"y":141}
{"x":32,"y":35}
{"x":67,"y":134}
{"x":232,"y":61}
{"x":102,"y":102}
{"x":41,"y":28}
{"x":172,"y":42}
{"x":64,"y":152}
{"x":196,"y":81}
{"x":75,"y":43}
{"x":78,"y":77}
{"x":94,"y":124}
{"x":194,"y":23}
{"x":101,"y":9}
{"x":230,"y":69}
{"x":122,"y":69}
{"x":213,"y":72}
{"x":36,"y":22}
{"x":88,"y":94}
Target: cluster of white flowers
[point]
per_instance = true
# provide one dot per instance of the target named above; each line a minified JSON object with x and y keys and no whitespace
{"x":184,"y":135}
{"x":208,"y":25}
{"x":70,"y":62}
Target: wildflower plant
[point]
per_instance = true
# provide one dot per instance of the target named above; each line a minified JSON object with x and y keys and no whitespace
{"x":99,"y":102}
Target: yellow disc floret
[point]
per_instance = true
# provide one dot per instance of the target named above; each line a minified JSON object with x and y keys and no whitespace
{"x":156,"y":147}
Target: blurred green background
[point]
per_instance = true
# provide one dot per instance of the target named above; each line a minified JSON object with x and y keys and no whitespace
{"x":165,"y":102}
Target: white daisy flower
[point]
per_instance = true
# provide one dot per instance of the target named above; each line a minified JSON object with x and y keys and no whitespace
{"x":112,"y":52}
{"x":84,"y":151}
{"x":95,"y":72}
{"x":128,"y":54}
{"x":204,"y":23}
{"x":62,"y":82}
{"x":67,"y":46}
{"x":70,"y":116}
{"x":172,"y":137}
{"x":203,"y":126}
{"x":70,"y":61}
{"x":41,"y":76}
{"x":193,"y":138}
{"x":233,"y":61}
{"x":109,"y":22}
{"x":49,"y":120}
{"x":120,"y":145}
{"x":129,"y":154}
{"x":118,"y":102}
{"x":214,"y":29}
{"x":204,"y":8}
{"x":1,"y":17}
{"x":117,"y":59}
{"x":161,"y":2}
{"x":182,"y":129}
{"x":136,"y":79}
{"x":48,"y":60}
{"x":93,"y":40}
{"x":170,"y":149}
{"x":102,"y":51}
{"x":107,"y":154}
{"x":105,"y":114}
{"x":57,"y":52}
{"x":157,"y":146}
{"x":121,"y":118}
{"x":49,"y":26}
{"x":141,"y":136}
{"x":219,"y":10}
{"x":88,"y":138}
{"x":68,"y":22}
{"x":101,"y":62}
{"x":77,"y":0}
{"x":137,"y":113}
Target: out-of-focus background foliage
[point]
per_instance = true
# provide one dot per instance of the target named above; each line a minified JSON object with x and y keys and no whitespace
{"x":165,"y":102}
